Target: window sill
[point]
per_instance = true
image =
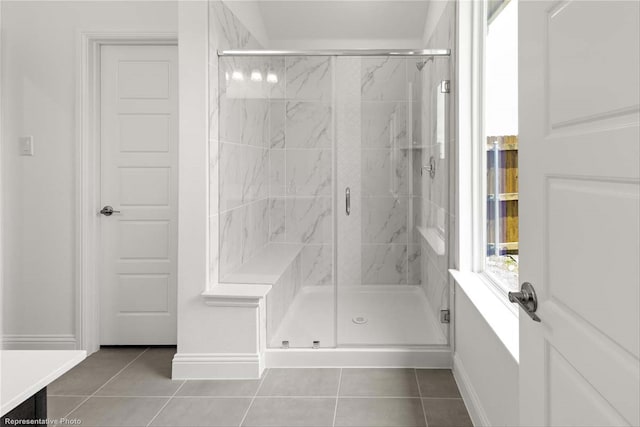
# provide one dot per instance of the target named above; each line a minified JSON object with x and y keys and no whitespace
{"x":502,"y":320}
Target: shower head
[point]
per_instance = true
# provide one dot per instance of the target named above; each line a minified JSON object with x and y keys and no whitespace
{"x":420,"y":65}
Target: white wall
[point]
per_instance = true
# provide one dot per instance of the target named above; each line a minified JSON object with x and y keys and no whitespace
{"x":485,"y":365}
{"x":484,"y":368}
{"x":39,"y":90}
{"x":1,"y":199}
{"x":194,"y":317}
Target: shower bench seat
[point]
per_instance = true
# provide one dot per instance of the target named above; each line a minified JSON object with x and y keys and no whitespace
{"x":275,"y":269}
{"x":267,"y":266}
{"x":268,"y":284}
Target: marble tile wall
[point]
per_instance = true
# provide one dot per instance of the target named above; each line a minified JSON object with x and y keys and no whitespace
{"x":276,"y":173}
{"x":390,"y":128}
{"x":301,"y":165}
{"x":247,"y":86}
{"x":238,"y":154}
{"x":281,"y":296}
{"x":275,"y":160}
{"x":349,"y":171}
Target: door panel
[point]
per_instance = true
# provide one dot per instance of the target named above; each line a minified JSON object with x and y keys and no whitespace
{"x":139,"y":178}
{"x":145,"y":132}
{"x":568,"y":393}
{"x":576,"y":205}
{"x":576,"y":32}
{"x":145,"y":186}
{"x":580,"y":212}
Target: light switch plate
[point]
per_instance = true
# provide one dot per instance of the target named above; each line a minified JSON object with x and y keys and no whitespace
{"x":26,"y":145}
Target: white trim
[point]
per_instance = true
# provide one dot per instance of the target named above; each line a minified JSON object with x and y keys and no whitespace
{"x":471,"y":162}
{"x":235,"y":295}
{"x":216,"y":366}
{"x":39,"y":342}
{"x":471,"y":173}
{"x":87,"y":149}
{"x":469,"y":395}
{"x":436,"y":357}
{"x":2,"y":255}
{"x":251,"y":365}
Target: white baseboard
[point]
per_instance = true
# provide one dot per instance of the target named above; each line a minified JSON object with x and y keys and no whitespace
{"x":204,"y":366}
{"x":39,"y":342}
{"x":358,"y":357}
{"x":469,"y":395}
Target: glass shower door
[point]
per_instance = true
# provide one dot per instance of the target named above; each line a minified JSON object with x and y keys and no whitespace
{"x":389,"y":292}
{"x":276,"y":181}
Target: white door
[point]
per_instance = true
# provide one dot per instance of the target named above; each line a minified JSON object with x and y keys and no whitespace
{"x":139,"y":176}
{"x":580,"y":214}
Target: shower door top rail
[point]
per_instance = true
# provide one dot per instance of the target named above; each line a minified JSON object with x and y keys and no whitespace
{"x":330,"y":52}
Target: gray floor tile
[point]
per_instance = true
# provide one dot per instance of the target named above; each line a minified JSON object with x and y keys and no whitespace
{"x":290,"y":412}
{"x":59,"y":406}
{"x":379,"y":382}
{"x":93,"y":372}
{"x":118,"y":411}
{"x":437,"y":383}
{"x":135,"y":396}
{"x":369,"y":412}
{"x":232,"y":388}
{"x":300,"y":382}
{"x":149,"y":375}
{"x":446,"y":413}
{"x":202,"y":411}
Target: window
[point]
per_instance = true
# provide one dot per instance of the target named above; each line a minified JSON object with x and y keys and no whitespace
{"x":501,"y":142}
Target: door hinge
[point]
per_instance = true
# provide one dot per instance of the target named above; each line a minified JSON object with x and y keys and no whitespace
{"x":445,"y":316}
{"x":445,"y":86}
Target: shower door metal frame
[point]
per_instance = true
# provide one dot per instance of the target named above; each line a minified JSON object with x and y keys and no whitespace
{"x":344,"y":52}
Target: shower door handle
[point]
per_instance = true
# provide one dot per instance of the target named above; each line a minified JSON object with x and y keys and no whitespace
{"x":347,"y":200}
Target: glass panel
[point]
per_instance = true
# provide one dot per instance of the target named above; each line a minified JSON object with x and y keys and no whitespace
{"x":501,"y":130}
{"x":392,"y":256}
{"x":276,"y":180}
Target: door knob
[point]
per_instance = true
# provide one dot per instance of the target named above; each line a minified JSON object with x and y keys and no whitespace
{"x":108,"y":211}
{"x":526,"y":299}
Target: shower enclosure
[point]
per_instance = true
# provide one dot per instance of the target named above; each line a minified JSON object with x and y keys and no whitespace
{"x":333,"y":172}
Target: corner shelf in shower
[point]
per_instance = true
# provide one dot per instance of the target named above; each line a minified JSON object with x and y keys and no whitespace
{"x":433,"y":238}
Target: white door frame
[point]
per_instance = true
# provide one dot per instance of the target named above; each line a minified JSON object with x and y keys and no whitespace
{"x":87,"y":189}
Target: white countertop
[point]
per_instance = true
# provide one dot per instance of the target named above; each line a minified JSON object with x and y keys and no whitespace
{"x":25,"y":372}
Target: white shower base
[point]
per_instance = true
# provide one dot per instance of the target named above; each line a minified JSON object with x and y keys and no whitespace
{"x":395,"y":315}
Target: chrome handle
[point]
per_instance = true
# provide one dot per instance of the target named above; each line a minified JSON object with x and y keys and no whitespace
{"x":108,"y":211}
{"x":526,"y":299}
{"x":430,"y":168}
{"x":347,"y":196}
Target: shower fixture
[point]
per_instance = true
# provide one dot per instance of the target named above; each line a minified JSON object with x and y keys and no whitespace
{"x":420,"y":65}
{"x":430,"y":168}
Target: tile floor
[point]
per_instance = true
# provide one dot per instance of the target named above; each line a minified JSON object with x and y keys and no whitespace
{"x":132,"y":387}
